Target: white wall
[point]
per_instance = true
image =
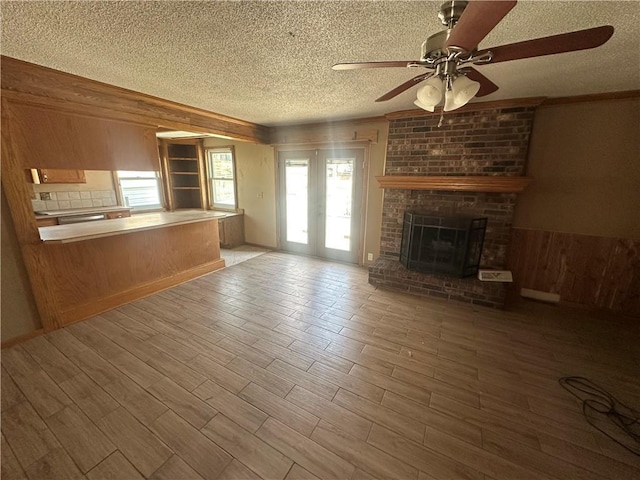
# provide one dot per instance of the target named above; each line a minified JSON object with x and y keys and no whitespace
{"x":256,"y":175}
{"x":377,"y":157}
{"x":585,"y":162}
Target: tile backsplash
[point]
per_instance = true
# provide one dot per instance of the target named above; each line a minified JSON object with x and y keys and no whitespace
{"x":64,"y":200}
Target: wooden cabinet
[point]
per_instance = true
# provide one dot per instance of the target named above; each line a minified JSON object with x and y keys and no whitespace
{"x":231,"y":231}
{"x":49,"y":175}
{"x":44,"y":137}
{"x":183,"y":168}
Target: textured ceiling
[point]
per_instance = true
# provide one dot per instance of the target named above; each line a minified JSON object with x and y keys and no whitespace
{"x":269,"y":62}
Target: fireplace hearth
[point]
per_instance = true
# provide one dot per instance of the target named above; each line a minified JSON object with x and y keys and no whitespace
{"x":448,"y":245}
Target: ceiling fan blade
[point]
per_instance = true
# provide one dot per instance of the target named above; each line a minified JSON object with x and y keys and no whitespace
{"x":476,"y":21}
{"x":487,"y":87}
{"x":359,"y":65}
{"x":405,"y":86}
{"x":565,"y":42}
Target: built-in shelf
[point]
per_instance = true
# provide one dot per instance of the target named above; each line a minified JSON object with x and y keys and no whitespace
{"x":184,"y":165}
{"x":499,"y":184}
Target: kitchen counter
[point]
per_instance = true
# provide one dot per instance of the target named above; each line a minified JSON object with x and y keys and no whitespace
{"x":95,"y":266}
{"x":226,"y":214}
{"x":147,"y":221}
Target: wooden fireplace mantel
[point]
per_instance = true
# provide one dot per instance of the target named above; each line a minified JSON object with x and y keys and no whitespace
{"x":499,"y":184}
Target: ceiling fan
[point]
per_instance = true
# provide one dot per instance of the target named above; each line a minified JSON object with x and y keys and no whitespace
{"x":449,"y":55}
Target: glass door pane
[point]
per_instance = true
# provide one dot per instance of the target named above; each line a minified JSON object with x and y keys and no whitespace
{"x":338,"y":202}
{"x":297,"y":195}
{"x":296,"y":203}
{"x":340,"y":176}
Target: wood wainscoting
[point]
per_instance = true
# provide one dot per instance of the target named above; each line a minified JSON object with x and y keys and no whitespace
{"x":587,"y":270}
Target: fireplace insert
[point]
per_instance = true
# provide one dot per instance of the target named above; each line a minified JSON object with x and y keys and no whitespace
{"x":449,"y":245}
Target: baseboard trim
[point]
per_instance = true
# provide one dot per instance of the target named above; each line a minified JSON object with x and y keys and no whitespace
{"x":21,"y":338}
{"x":271,"y":249}
{"x":539,"y":295}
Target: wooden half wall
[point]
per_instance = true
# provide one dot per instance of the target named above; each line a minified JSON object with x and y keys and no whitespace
{"x":88,"y":277}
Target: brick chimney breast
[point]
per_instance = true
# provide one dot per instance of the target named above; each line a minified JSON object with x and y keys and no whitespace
{"x":469,"y":143}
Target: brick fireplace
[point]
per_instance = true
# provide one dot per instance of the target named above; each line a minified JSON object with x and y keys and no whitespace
{"x":472,"y":144}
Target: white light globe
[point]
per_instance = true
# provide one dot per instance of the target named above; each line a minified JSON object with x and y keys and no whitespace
{"x":462,"y":90}
{"x":430,"y":93}
{"x":428,"y":108}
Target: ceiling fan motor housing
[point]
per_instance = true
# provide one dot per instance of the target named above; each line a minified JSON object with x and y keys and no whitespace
{"x":432,"y":47}
{"x":450,"y":12}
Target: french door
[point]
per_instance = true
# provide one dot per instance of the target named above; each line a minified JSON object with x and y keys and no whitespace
{"x":320,"y":202}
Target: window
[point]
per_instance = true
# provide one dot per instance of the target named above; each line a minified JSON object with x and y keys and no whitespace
{"x":222,"y":177}
{"x":139,"y":190}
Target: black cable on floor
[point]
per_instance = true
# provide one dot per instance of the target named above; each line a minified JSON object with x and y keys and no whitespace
{"x":599,"y":404}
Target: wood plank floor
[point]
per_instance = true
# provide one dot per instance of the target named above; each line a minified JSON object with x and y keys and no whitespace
{"x":286,"y":367}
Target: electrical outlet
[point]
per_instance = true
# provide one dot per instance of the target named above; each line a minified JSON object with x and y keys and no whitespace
{"x":369,"y":256}
{"x":45,"y":196}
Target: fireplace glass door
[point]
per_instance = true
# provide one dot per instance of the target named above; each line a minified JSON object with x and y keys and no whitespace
{"x":320,"y":202}
{"x":448,"y":245}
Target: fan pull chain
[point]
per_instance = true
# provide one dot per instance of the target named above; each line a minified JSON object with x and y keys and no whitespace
{"x":441,"y":118}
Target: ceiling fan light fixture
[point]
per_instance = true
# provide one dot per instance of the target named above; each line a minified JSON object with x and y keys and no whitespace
{"x":449,"y":103}
{"x":467,"y":24}
{"x":430,"y":94}
{"x":462,"y":90}
{"x":428,"y":108}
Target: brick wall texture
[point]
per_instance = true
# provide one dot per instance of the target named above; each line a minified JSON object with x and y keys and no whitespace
{"x":474,"y":143}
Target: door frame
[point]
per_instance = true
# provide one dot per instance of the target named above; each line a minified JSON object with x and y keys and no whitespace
{"x":364,"y":184}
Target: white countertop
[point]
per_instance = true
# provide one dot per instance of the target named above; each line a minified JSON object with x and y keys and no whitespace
{"x":77,"y":232}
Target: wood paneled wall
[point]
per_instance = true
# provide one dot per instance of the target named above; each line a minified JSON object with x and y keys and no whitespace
{"x":587,"y":270}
